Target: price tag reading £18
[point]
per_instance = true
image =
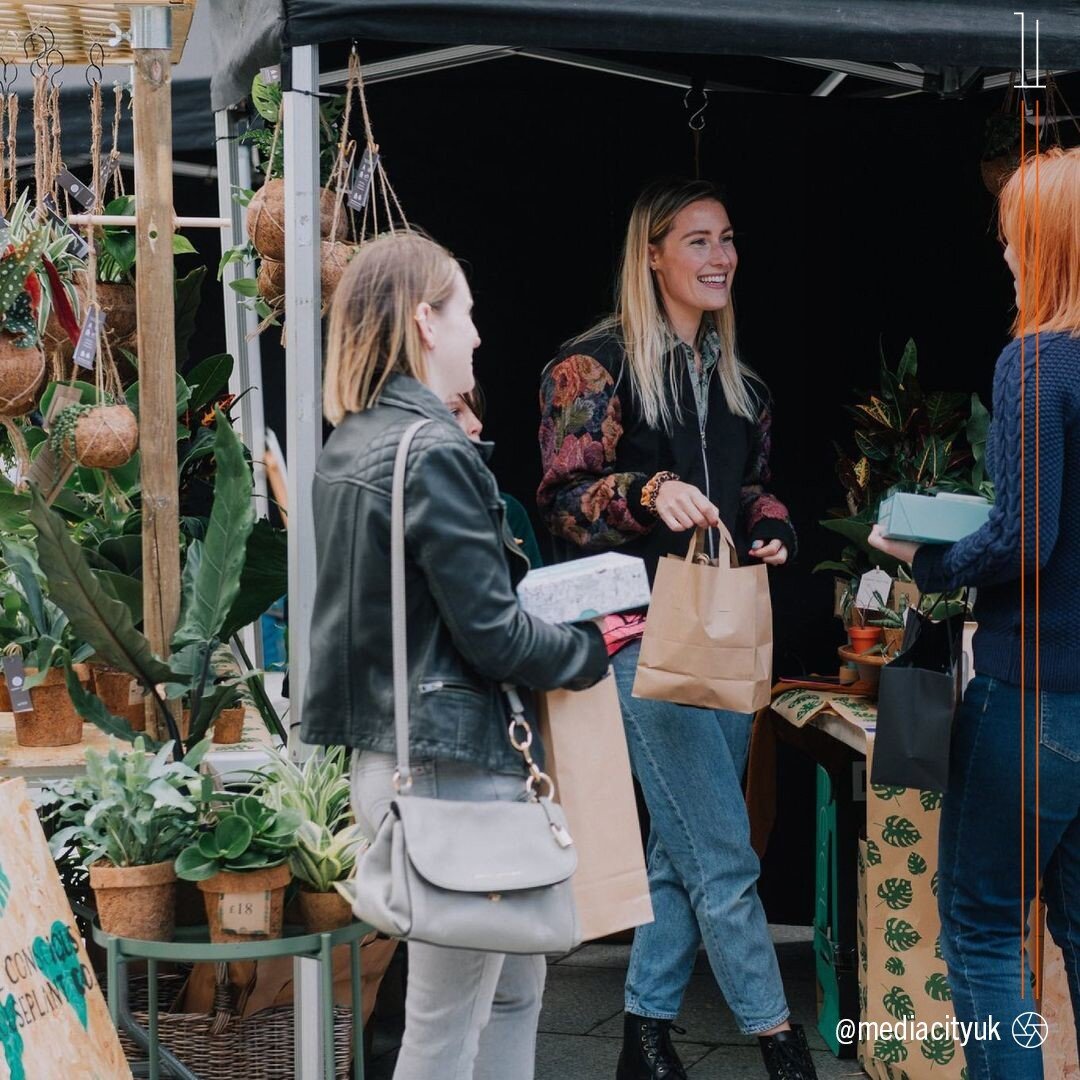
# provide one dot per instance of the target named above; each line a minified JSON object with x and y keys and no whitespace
{"x":245,"y":913}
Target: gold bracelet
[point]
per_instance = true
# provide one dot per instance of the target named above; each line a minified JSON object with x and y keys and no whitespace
{"x":651,"y":490}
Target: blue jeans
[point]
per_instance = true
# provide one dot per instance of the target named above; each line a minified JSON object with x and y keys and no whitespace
{"x":983,"y":910}
{"x":702,"y":870}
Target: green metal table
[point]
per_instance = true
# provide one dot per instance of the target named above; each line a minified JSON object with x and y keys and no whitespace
{"x":192,"y":944}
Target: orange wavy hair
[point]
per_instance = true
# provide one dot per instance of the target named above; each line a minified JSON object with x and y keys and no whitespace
{"x":1050,"y":289}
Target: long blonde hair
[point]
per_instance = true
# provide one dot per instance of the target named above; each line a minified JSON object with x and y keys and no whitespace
{"x":640,"y":322}
{"x":1039,"y":214}
{"x":373,"y":331}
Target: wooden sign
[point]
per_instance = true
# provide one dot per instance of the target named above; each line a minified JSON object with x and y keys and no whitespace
{"x":53,"y":1018}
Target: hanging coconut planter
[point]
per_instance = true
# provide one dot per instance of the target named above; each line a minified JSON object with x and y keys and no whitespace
{"x":266,"y":219}
{"x":117,"y":300}
{"x":21,"y":373}
{"x":97,"y":436}
{"x":271,"y":281}
{"x":335,"y":257}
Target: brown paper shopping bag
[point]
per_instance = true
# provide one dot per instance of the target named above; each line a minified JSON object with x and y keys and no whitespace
{"x":587,"y":759}
{"x":708,"y":636}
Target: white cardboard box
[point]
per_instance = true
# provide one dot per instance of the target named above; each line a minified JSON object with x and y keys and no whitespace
{"x":585,"y":588}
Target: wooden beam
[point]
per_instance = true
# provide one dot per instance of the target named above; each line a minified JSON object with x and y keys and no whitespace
{"x":152,"y":110}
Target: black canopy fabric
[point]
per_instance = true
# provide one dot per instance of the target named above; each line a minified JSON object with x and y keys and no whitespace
{"x":249,"y":34}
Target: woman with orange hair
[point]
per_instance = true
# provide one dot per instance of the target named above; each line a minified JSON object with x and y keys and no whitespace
{"x":1010,"y":823}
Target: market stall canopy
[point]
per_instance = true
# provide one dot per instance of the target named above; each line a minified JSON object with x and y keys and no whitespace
{"x":250,"y":34}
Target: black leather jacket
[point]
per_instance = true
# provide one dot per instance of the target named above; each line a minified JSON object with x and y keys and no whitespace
{"x":466,"y":631}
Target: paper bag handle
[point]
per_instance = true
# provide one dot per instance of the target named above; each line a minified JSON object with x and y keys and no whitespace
{"x":697,"y":542}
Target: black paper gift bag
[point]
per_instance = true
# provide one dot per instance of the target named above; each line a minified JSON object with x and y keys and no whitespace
{"x":917,"y":698}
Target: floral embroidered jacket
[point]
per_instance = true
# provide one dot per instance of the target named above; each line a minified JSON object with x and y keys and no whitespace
{"x":598,"y":453}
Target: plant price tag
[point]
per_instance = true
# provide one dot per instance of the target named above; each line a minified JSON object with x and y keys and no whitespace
{"x":360,"y":190}
{"x":245,"y":913}
{"x":87,"y":347}
{"x":874,"y":581}
{"x":76,"y":189}
{"x":15,"y":677}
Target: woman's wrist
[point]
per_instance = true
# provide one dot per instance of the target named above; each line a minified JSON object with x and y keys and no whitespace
{"x":652,"y":487}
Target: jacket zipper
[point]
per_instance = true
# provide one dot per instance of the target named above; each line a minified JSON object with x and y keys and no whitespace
{"x":702,"y":422}
{"x":433,"y":685}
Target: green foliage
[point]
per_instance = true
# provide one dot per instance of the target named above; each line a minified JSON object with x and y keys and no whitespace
{"x":322,"y":859}
{"x":118,"y":246}
{"x":894,"y":965}
{"x":940,"y":1050}
{"x":900,"y":935}
{"x":899,"y":1004}
{"x":937,"y":986}
{"x":873,"y":853}
{"x":242,"y":835}
{"x":318,"y":790}
{"x":895,"y":893}
{"x":885,"y":791}
{"x":891,"y":1051}
{"x":132,"y":808}
{"x":934,"y":883}
{"x":931,"y":800}
{"x":900,"y":832}
{"x":187,"y":292}
{"x":916,"y":864}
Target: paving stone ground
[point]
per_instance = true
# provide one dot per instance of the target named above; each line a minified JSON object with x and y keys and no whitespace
{"x":581,"y":1023}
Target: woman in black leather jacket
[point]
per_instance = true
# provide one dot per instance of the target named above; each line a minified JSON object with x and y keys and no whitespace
{"x":401,"y":341}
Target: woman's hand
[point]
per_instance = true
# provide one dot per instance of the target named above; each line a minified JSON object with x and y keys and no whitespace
{"x":775,"y":552}
{"x":904,"y":550}
{"x":682,"y":506}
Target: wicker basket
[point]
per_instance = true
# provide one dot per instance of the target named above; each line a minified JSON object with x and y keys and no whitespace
{"x":216,"y":1046}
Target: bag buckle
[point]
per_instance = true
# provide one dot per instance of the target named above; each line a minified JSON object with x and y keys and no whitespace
{"x":520,"y":744}
{"x":401,"y":788}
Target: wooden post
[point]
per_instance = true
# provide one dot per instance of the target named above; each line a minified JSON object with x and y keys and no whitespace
{"x":152,"y":108}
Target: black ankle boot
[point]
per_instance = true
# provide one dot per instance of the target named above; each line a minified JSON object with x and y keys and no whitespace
{"x":647,"y":1053}
{"x":787,"y":1057}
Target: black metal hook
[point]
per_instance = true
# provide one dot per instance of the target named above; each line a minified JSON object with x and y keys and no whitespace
{"x":94,"y":74}
{"x":49,"y":65}
{"x":36,"y":67}
{"x":7,"y":81}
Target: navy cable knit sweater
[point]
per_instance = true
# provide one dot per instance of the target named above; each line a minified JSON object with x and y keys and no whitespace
{"x":991,"y":558}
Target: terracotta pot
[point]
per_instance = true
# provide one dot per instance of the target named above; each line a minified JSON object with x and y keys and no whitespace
{"x":106,"y":437}
{"x":266,"y":219}
{"x":893,"y":638}
{"x":216,"y":892}
{"x":135,"y":901}
{"x":115,"y":690}
{"x":228,"y":726}
{"x":21,"y":375}
{"x":271,"y":281}
{"x":324,"y":911}
{"x":335,"y":257}
{"x":864,"y":638}
{"x":53,"y":720}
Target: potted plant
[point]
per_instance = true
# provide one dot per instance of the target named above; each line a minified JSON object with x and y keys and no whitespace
{"x":130,"y":815}
{"x":891,"y":623}
{"x":328,"y":841}
{"x":240,"y":864}
{"x":40,"y":633}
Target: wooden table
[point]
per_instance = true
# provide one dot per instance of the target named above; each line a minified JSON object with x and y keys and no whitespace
{"x":39,"y":764}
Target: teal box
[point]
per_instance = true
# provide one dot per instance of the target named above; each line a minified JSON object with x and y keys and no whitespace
{"x":932,"y":519}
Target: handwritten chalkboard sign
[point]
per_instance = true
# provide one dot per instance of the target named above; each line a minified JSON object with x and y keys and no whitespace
{"x":53,"y":1018}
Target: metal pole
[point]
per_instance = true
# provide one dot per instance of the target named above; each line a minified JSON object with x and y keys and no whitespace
{"x":303,"y":391}
{"x":240,"y":326}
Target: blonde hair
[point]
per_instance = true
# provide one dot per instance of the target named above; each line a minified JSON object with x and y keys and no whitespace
{"x":640,"y":321}
{"x":1046,"y":190}
{"x":373,"y":331}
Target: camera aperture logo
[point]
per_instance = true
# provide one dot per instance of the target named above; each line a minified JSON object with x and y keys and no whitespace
{"x":1029,"y":1030}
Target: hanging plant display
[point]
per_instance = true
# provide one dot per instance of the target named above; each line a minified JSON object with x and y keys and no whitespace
{"x":335,"y":257}
{"x":271,"y":282}
{"x":97,"y":436}
{"x":266,"y":219}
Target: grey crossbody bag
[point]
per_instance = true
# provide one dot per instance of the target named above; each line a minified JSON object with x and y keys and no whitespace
{"x":493,"y":876}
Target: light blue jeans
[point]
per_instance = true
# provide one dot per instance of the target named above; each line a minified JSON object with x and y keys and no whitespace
{"x":702,"y":870}
{"x":979,"y":895}
{"x":468,"y":1015}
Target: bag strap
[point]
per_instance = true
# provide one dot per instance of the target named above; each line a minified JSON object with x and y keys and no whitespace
{"x":698,"y":539}
{"x":403,"y":774}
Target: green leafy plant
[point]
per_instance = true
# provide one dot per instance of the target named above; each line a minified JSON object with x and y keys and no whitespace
{"x":906,"y":439}
{"x":116,"y":256}
{"x":131,"y":808}
{"x":900,"y":935}
{"x":895,"y":893}
{"x":242,"y":835}
{"x":210,"y":584}
{"x":322,"y":859}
